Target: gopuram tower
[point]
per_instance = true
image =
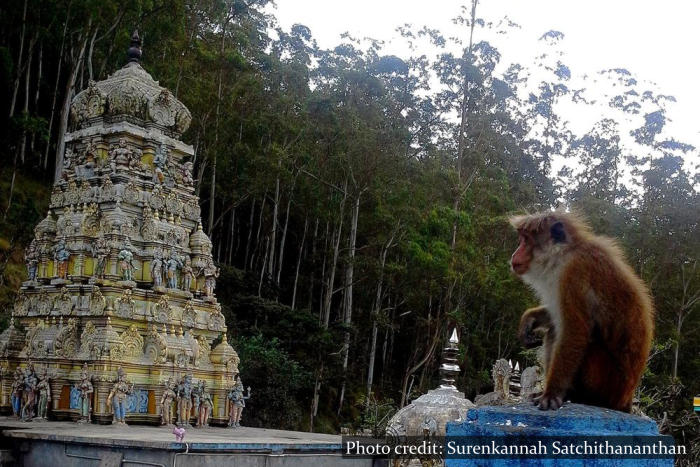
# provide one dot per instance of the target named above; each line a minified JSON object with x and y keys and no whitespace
{"x":120,"y":272}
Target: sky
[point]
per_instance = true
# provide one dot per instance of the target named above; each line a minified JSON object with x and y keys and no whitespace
{"x":656,"y":41}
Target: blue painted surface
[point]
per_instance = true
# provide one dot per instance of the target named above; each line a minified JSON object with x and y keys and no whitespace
{"x":137,"y":401}
{"x":572,"y":420}
{"x":75,"y":401}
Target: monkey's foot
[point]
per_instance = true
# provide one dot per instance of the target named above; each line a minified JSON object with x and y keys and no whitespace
{"x":548,"y":402}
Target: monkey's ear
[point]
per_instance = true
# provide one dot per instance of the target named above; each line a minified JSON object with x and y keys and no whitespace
{"x":557,"y":232}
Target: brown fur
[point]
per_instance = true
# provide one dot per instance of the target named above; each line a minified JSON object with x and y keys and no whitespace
{"x":599,"y":326}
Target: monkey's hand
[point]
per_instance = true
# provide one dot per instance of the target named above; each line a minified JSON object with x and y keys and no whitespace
{"x":549,"y":400}
{"x":533,"y":324}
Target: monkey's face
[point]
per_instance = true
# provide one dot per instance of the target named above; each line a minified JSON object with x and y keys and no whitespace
{"x":538,"y":246}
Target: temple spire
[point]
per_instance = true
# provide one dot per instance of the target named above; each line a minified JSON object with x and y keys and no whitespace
{"x":134,"y":51}
{"x":449,"y":368}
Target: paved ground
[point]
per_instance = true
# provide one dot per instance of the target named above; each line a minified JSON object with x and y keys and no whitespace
{"x":242,"y":438}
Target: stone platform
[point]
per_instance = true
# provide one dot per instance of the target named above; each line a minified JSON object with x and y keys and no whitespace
{"x":573,"y":425}
{"x":42,"y":443}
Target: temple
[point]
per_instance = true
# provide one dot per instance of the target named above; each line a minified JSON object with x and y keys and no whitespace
{"x":121,"y":276}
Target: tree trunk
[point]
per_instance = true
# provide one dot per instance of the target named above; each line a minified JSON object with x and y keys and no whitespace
{"x":18,"y":74}
{"x":230,"y":247}
{"x":55,"y":88}
{"x":36,"y":94}
{"x":336,"y":249}
{"x":250,"y":235}
{"x":284,"y":238}
{"x":301,"y":249}
{"x":275,"y":211}
{"x":68,"y":96}
{"x":349,"y":278}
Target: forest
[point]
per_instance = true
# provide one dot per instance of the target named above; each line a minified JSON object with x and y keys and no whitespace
{"x":358,"y":201}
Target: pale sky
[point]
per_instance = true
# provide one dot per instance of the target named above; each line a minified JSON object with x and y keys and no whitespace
{"x":656,"y":41}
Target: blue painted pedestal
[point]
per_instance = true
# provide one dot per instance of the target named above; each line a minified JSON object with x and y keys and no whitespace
{"x":579,"y":422}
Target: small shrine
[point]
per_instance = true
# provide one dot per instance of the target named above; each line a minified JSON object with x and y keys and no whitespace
{"x":119,"y":305}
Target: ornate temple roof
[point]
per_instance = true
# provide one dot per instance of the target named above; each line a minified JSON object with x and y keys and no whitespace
{"x":130,"y":92}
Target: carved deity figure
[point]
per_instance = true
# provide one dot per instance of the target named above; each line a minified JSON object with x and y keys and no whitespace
{"x":29,"y":392}
{"x":100,"y":253}
{"x":211,"y":273}
{"x":187,"y":274}
{"x":126,"y":262}
{"x":67,"y":160}
{"x":17,"y":389}
{"x":166,"y":403}
{"x":61,"y":256}
{"x":31,"y":258}
{"x":205,"y":405}
{"x":91,"y":153}
{"x":117,"y":396}
{"x":184,"y":400}
{"x":196,"y":401}
{"x":86,"y":390}
{"x":186,"y":174}
{"x":120,"y":156}
{"x":44,"y":390}
{"x":157,"y":268}
{"x":172,"y":264}
{"x":236,"y":402}
{"x":160,"y":163}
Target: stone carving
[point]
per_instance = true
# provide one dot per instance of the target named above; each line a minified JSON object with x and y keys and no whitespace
{"x":97,"y":302}
{"x":91,"y":104}
{"x":31,"y":259}
{"x":43,"y":305}
{"x":126,"y":262}
{"x":204,"y":350}
{"x":131,"y":91}
{"x":107,"y":190}
{"x":65,"y":226}
{"x":43,"y":388}
{"x":501,"y":385}
{"x":205,"y":405}
{"x":72,"y":194}
{"x":186,"y":174}
{"x":87,"y":194}
{"x":210,"y":273}
{"x":117,"y":396}
{"x":149,"y":229}
{"x":100,"y":252}
{"x":157,"y":269}
{"x":172,"y":264}
{"x":84,"y":386}
{"x":63,"y":304}
{"x":17,"y":390}
{"x":184,"y":400}
{"x":160,"y":163}
{"x":90,"y":224}
{"x":157,"y":200}
{"x":132,"y":343}
{"x":236,"y":401}
{"x":132,"y":194}
{"x":156,"y":347}
{"x":29,"y":393}
{"x":66,"y":344}
{"x":162,"y":312}
{"x":189,"y":316}
{"x":22,"y":305}
{"x":56,"y":197}
{"x":125,"y":306}
{"x":120,"y":156}
{"x":166,"y":403}
{"x":89,"y":347}
{"x":61,"y":256}
{"x":187,"y":274}
{"x":217,"y":322}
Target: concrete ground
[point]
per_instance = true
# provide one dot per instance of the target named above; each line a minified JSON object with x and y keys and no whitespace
{"x":40,"y":442}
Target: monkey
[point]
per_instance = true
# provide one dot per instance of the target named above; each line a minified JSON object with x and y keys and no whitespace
{"x":596,"y":321}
